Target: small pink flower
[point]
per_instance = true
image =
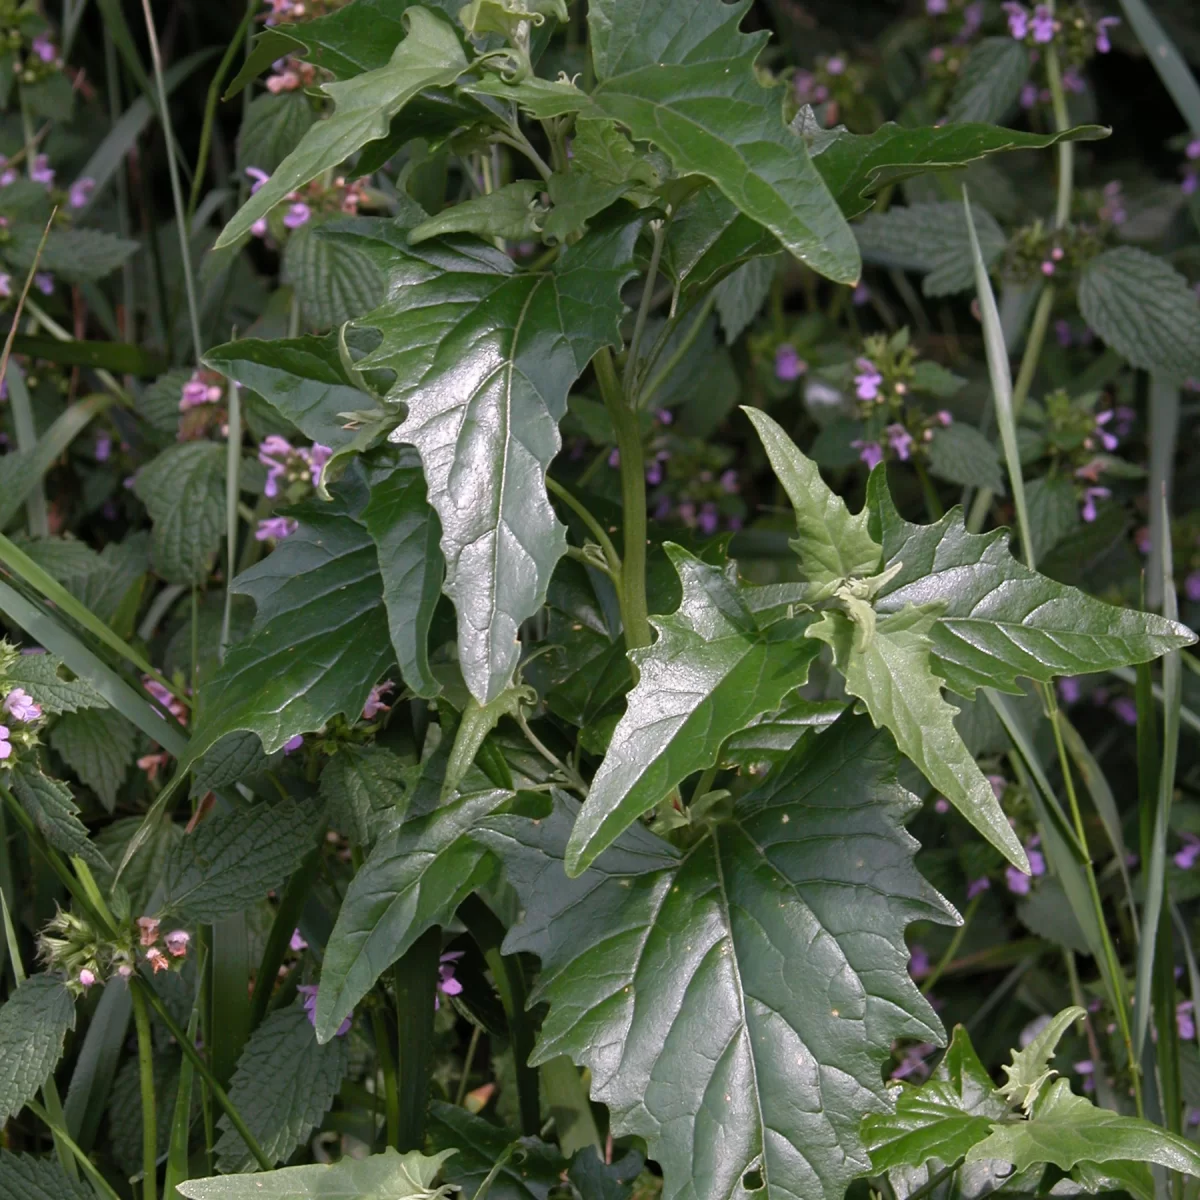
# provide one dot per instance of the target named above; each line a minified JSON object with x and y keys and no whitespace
{"x":19,"y":704}
{"x":446,"y":982}
{"x":1048,"y":267}
{"x":275,"y":527}
{"x":297,"y":215}
{"x":297,"y":942}
{"x":40,"y":170}
{"x":80,"y":191}
{"x":375,"y":705}
{"x":293,"y":743}
{"x":1125,"y":710}
{"x":1090,"y":496}
{"x":1017,"y":881}
{"x":318,"y":456}
{"x":1185,"y":1022}
{"x":941,"y":805}
{"x":125,"y":970}
{"x":861,"y":295}
{"x":157,"y":960}
{"x":148,"y":930}
{"x":259,"y":176}
{"x":309,"y":992}
{"x":1103,"y":45}
{"x":835,"y":65}
{"x":86,"y":978}
{"x":871,"y":453}
{"x":1191,"y":586}
{"x":43,"y":47}
{"x":259,"y":228}
{"x":44,"y":282}
{"x":177,"y":942}
{"x":1069,"y":690}
{"x":789,"y":366}
{"x":867,"y":381}
{"x":977,"y":886}
{"x":900,"y":441}
{"x":1043,"y":24}
{"x":918,"y":963}
{"x":1185,"y":859}
{"x":1018,"y":20}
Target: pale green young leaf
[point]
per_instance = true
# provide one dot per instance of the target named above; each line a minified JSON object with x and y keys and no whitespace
{"x":53,"y":809}
{"x":26,"y":1177}
{"x":99,"y":745}
{"x":511,"y":211}
{"x":430,"y":56}
{"x":831,"y":543}
{"x":710,"y":673}
{"x":386,"y":1176}
{"x":34,"y":1022}
{"x":1030,"y":1067}
{"x":891,"y":675}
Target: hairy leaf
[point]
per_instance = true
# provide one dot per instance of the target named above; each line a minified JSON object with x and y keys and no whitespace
{"x":284,"y":1084}
{"x":990,"y":81}
{"x":366,"y":790}
{"x":99,"y":746}
{"x":77,"y":255}
{"x":184,"y":491}
{"x":53,"y":809}
{"x":334,"y":283}
{"x":484,"y":357}
{"x":741,"y":295}
{"x":34,"y":1022}
{"x":710,"y":673}
{"x":961,"y":454}
{"x":41,"y":676}
{"x":272,"y":126}
{"x":24,"y":1177}
{"x":414,"y":878}
{"x":735,"y":1003}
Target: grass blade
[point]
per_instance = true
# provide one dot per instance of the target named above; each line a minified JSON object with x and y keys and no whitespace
{"x":1164,"y":433}
{"x":1171,"y":66}
{"x":96,"y":1066}
{"x":34,"y":495}
{"x":233,"y":466}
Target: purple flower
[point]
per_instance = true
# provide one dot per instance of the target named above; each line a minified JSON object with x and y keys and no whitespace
{"x":1043,"y":24}
{"x":1185,"y":1021}
{"x":259,"y":228}
{"x":1017,"y":881}
{"x":1018,"y":20}
{"x":835,"y":65}
{"x":1188,"y":186}
{"x":318,"y":456}
{"x":103,"y":451}
{"x":309,"y":992}
{"x":976,"y":887}
{"x":296,"y":943}
{"x":1069,"y":690}
{"x":375,"y":705}
{"x":1088,"y":512}
{"x":1193,"y":149}
{"x":1048,"y":267}
{"x":1108,"y":440}
{"x":870,"y":452}
{"x":20,"y":704}
{"x":177,"y":942}
{"x":941,"y":805}
{"x":5,"y":745}
{"x":43,"y":47}
{"x":935,"y":8}
{"x":293,"y":743}
{"x":918,"y":963}
{"x":664,"y":416}
{"x":867,"y":381}
{"x":1103,"y":45}
{"x":86,"y":978}
{"x":708,"y":520}
{"x":1073,"y":81}
{"x":41,"y":171}
{"x":1191,"y":586}
{"x":275,"y":527}
{"x":900,"y":441}
{"x":913,"y":1062}
{"x":259,"y":176}
{"x":789,"y":366}
{"x":446,"y":982}
{"x":1125,"y":710}
{"x":1029,"y":95}
{"x":5,"y":284}
{"x":654,"y":473}
{"x":1185,"y":859}
{"x":81,"y":191}
{"x":1086,"y":1069}
{"x":296,"y":215}
{"x":972,"y":20}
{"x":729,"y":482}
{"x":44,"y":282}
{"x":943,"y":418}
{"x":273,"y":453}
{"x":860,"y":295}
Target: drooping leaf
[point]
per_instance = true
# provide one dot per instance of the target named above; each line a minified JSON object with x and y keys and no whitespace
{"x":483,"y":358}
{"x":53,"y":809}
{"x":26,"y":1177}
{"x":34,"y":1022}
{"x":831,"y":543}
{"x":429,"y":56}
{"x":41,"y":676}
{"x":990,"y":81}
{"x":415,"y":877}
{"x":1144,"y":309}
{"x":735,"y":1003}
{"x":366,"y":791}
{"x":334,"y":283}
{"x":407,"y":534}
{"x":319,"y":640}
{"x":687,"y":83}
{"x":99,"y":745}
{"x":234,"y":859}
{"x":595,"y":1179}
{"x":1002,"y":621}
{"x":284,"y":1084}
{"x":386,"y":1176}
{"x":709,"y":674}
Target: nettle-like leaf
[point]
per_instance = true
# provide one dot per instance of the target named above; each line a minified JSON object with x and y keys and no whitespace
{"x":284,"y":1084}
{"x":386,"y":1176}
{"x":989,"y":86}
{"x":709,"y":674}
{"x":682,"y":76}
{"x":41,"y":676}
{"x":333,"y":283}
{"x":415,"y":877}
{"x":34,"y":1023}
{"x":483,"y":357}
{"x":99,"y":746}
{"x":1001,"y":621}
{"x":366,"y":790}
{"x":735,"y":1003}
{"x":52,"y":807}
{"x":430,"y":56}
{"x":26,"y":1177}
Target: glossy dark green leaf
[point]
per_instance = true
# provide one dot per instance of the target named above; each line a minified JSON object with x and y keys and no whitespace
{"x":990,"y":81}
{"x":34,"y":1023}
{"x":99,"y":745}
{"x":595,"y":1179}
{"x":1002,"y":621}
{"x":319,"y":641}
{"x":415,"y":877}
{"x":773,"y":737}
{"x":710,"y":673}
{"x":25,"y":1177}
{"x":366,"y":790}
{"x":53,"y":809}
{"x":284,"y":1084}
{"x":407,"y":534}
{"x":735,"y":1003}
{"x":429,"y":56}
{"x":483,"y":357}
{"x":511,"y":211}
{"x":682,"y":76}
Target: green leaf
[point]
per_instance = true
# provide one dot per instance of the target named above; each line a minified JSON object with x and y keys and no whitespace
{"x":407,"y":533}
{"x":414,"y":878}
{"x":303,"y":379}
{"x":24,"y":1177}
{"x":710,"y":673}
{"x":34,"y":1023}
{"x":741,"y":295}
{"x":930,"y":238}
{"x":735,"y":1004}
{"x":183,"y":489}
{"x":284,"y":1084}
{"x":334,"y":283}
{"x":1053,"y":512}
{"x":41,"y":676}
{"x":959,"y":453}
{"x":319,"y":639}
{"x":511,"y":211}
{"x":855,"y":166}
{"x":1065,"y":1129}
{"x":1144,"y":309}
{"x":236,"y":756}
{"x":831,"y":543}
{"x":386,"y":1176}
{"x":1002,"y":621}
{"x":773,"y":737}
{"x":595,"y":1179}
{"x":940,"y":1120}
{"x":158,"y":404}
{"x":75,"y":255}
{"x":683,"y":77}
{"x":234,"y":859}
{"x":430,"y":56}
{"x":1030,"y":1067}
{"x":53,"y":810}
{"x":576,"y":198}
{"x":99,"y":745}
{"x":272,"y":126}
{"x":891,"y":675}
{"x":483,"y":357}
{"x":366,"y":791}
{"x":990,"y":81}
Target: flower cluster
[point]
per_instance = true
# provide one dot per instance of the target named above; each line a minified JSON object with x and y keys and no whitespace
{"x":1191,"y":175}
{"x":838,"y":87}
{"x":19,"y":707}
{"x":339,"y":196}
{"x":1038,"y":252}
{"x":155,"y":761}
{"x":691,"y":481}
{"x":175,"y":945}
{"x":1070,"y":692}
{"x":1072,"y":30}
{"x":294,"y":11}
{"x":292,"y":473}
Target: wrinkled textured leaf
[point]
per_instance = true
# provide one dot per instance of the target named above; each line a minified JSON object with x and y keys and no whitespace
{"x":158,"y":403}
{"x":99,"y":746}
{"x":366,"y":791}
{"x":709,"y":674}
{"x":54,"y":811}
{"x":24,"y":1177}
{"x":273,"y":124}
{"x":990,"y":81}
{"x":415,"y":877}
{"x":41,"y":676}
{"x":407,"y":534}
{"x":1003,"y":621}
{"x":284,"y":1084}
{"x":484,"y":357}
{"x":1144,"y":309}
{"x":236,"y":756}
{"x":961,"y":454}
{"x":75,"y":255}
{"x":735,"y":1004}
{"x":682,"y":76}
{"x":234,"y":859}
{"x":430,"y":56}
{"x":34,"y":1022}
{"x":334,"y":283}
{"x":184,"y":491}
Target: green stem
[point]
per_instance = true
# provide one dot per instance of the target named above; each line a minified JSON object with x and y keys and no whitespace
{"x":387,"y":1065}
{"x":468,"y":1063}
{"x":932,"y":504}
{"x":145,"y":1041}
{"x":633,"y":500}
{"x":89,"y":1169}
{"x":124,"y":224}
{"x":1066,"y":149}
{"x":594,"y":526}
{"x":658,"y":230}
{"x":930,"y":980}
{"x":646,"y":394}
{"x":415,"y":977}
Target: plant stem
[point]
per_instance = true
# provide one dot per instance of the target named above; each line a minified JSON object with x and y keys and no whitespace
{"x":387,"y":1065}
{"x":468,"y":1062}
{"x":1066,"y":150}
{"x":415,"y":978}
{"x":594,"y":526}
{"x":658,"y":230}
{"x":633,"y":501}
{"x":145,"y":1041}
{"x":646,"y":394}
{"x":930,"y":980}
